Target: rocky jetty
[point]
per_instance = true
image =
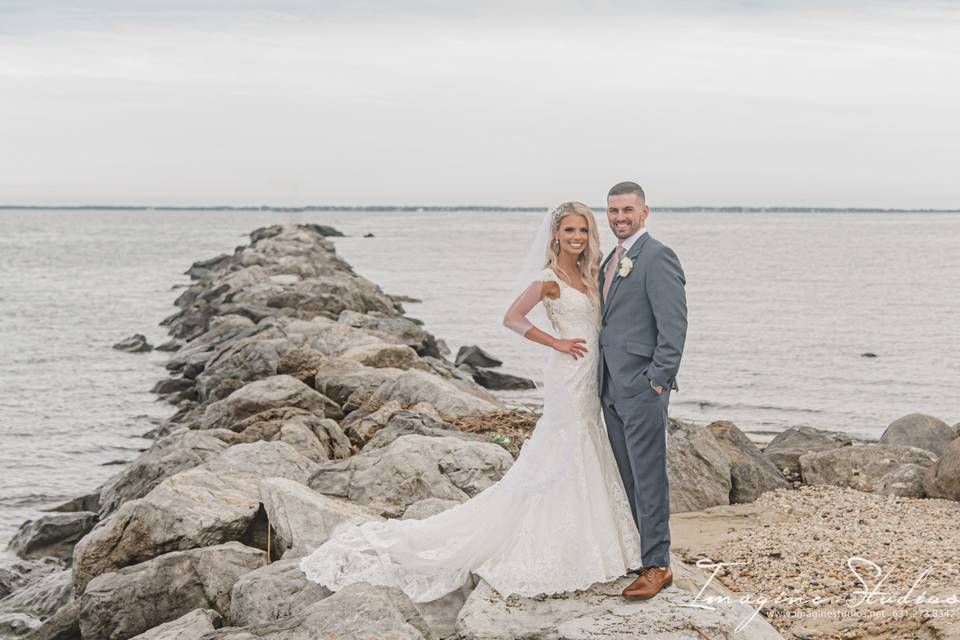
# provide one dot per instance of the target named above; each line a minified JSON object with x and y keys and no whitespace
{"x":306,"y":397}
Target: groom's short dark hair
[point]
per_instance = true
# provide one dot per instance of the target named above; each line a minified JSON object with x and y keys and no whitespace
{"x":622,"y":188}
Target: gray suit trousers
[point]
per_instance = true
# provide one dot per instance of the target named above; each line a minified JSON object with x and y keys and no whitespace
{"x":637,"y":427}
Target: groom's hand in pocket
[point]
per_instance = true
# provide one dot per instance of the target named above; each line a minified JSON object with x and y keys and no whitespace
{"x":573,"y":347}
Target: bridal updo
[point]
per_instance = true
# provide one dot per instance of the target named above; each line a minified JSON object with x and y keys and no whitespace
{"x":589,"y":260}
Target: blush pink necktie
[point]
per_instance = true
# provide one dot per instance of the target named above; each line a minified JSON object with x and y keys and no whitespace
{"x":612,"y":270}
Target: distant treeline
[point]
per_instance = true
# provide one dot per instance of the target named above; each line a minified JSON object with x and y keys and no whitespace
{"x":472,"y":208}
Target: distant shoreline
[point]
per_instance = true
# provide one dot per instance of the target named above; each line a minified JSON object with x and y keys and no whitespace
{"x":462,"y":208}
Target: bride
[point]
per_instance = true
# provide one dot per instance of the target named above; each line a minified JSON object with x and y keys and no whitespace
{"x":559,"y":519}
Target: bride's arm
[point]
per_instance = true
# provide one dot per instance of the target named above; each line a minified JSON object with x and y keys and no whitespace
{"x":516,"y":320}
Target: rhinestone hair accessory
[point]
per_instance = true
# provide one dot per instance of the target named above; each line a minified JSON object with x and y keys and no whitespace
{"x":556,"y":216}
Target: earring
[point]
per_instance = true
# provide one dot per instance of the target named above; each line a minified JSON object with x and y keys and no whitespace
{"x":556,"y":246}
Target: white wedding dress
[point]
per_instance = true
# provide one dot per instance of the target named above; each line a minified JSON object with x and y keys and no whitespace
{"x":557,"y":521}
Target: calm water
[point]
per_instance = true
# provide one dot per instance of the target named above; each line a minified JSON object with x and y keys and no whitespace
{"x":781,"y":307}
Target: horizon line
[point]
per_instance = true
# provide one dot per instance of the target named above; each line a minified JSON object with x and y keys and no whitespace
{"x":434,"y":208}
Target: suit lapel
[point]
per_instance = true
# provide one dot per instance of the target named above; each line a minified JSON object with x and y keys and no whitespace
{"x":632,"y":254}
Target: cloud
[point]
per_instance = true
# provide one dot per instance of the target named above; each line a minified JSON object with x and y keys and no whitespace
{"x":509,"y":103}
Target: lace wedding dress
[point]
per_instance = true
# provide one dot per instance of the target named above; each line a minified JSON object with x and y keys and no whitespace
{"x":558,"y":520}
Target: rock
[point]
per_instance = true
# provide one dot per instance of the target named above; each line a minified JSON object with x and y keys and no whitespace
{"x":413,"y":387}
{"x":474,"y":356}
{"x":302,"y":518}
{"x":138,"y":598}
{"x":404,"y":423}
{"x":785,"y":449}
{"x":16,"y":624}
{"x":919,"y":430}
{"x":257,"y":460}
{"x":501,"y":381}
{"x":270,"y":393}
{"x":180,"y":450}
{"x":52,"y":535}
{"x":62,"y":625}
{"x":86,"y":502}
{"x":204,"y":268}
{"x":211,"y":504}
{"x":191,"y":626}
{"x":427,"y":507}
{"x":302,"y":365}
{"x":359,"y":430}
{"x":873,"y":468}
{"x":41,"y":598}
{"x":137,"y":343}
{"x":383,"y":356}
{"x":349,"y":383}
{"x":395,"y":329}
{"x":21,"y":573}
{"x":698,"y":469}
{"x":314,"y":437}
{"x":170,"y":345}
{"x":358,"y":611}
{"x":601,"y":612}
{"x":169,"y":386}
{"x":253,"y":357}
{"x":412,"y":468}
{"x":278,"y":590}
{"x":868,"y":354}
{"x":942,"y":479}
{"x":751,"y":474}
{"x":441,"y":614}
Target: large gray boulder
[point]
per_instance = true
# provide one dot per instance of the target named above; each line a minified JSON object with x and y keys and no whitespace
{"x":427,"y":507}
{"x":600,"y":612}
{"x":403,"y":423}
{"x":351,"y":384}
{"x":122,"y":604}
{"x":942,"y":479}
{"x":873,"y":468}
{"x":270,"y":393}
{"x":273,"y":592}
{"x":214,"y":503}
{"x":180,"y":450}
{"x":785,"y":449}
{"x":357,"y":611}
{"x":383,"y":356}
{"x":192,"y":626}
{"x":64,"y":624}
{"x":697,"y":468}
{"x":394,"y":329}
{"x":251,"y":358}
{"x":751,"y":474}
{"x":41,"y":598}
{"x":52,"y":534}
{"x":413,"y":387}
{"x":315,"y":437}
{"x":919,"y":430}
{"x":412,"y":468}
{"x":360,"y":428}
{"x":303,"y":519}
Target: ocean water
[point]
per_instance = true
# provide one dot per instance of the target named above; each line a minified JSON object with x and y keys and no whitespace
{"x":781,"y":307}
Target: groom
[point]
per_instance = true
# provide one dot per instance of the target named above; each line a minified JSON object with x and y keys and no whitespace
{"x":644,"y":325}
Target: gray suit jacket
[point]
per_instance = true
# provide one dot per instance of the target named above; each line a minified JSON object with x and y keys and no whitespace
{"x":644,"y":321}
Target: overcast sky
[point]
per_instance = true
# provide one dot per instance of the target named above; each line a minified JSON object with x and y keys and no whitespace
{"x":506,"y":103}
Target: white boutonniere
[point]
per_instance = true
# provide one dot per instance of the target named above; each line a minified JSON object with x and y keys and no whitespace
{"x":626,"y":266}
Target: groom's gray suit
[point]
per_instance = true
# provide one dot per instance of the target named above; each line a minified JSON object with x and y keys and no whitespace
{"x":644,"y":326}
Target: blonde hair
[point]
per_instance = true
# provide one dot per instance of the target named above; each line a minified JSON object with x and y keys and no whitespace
{"x":589,"y":260}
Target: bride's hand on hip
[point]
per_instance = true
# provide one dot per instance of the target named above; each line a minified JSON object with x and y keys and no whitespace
{"x":573,"y":347}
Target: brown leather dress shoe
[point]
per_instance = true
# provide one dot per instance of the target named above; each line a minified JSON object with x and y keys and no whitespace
{"x":649,"y":583}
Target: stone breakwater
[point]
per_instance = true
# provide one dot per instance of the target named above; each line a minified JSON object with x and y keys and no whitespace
{"x":305,"y":397}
